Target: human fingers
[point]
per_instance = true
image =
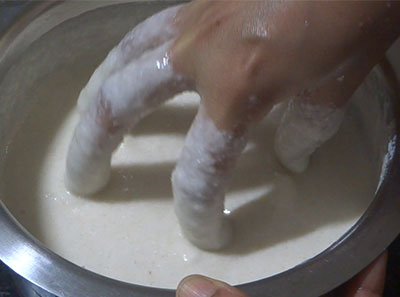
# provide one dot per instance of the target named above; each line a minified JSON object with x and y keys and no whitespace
{"x":200,"y":178}
{"x":197,"y":285}
{"x":303,"y":128}
{"x":369,"y":282}
{"x":146,"y":36}
{"x":314,"y":116}
{"x":124,"y":98}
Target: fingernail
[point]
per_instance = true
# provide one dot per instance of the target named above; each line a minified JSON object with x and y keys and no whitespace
{"x":196,"y":286}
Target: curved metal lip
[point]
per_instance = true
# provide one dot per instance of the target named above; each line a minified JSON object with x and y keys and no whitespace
{"x":23,"y":13}
{"x":372,"y":233}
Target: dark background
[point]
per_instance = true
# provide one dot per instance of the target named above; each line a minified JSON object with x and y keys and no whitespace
{"x":392,"y":288}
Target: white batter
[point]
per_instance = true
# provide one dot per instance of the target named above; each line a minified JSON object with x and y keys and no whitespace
{"x":130,"y":231}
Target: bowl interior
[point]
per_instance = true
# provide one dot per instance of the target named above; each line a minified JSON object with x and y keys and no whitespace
{"x":373,"y":104}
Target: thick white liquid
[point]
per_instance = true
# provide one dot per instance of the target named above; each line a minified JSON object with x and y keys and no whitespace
{"x":129,"y":231}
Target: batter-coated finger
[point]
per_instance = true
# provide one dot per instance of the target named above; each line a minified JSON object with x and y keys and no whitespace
{"x":304,"y":127}
{"x":125,"y":98}
{"x":146,"y":36}
{"x":199,"y":182}
{"x":313,"y":118}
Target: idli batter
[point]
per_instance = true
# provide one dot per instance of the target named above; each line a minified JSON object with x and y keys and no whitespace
{"x":130,"y":232}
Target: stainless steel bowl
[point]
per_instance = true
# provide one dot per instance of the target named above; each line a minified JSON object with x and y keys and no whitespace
{"x":43,"y":273}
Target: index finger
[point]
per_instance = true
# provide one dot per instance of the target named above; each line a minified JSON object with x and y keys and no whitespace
{"x":146,"y":36}
{"x":123,"y":100}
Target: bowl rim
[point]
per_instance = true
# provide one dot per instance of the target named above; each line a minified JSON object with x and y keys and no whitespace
{"x":36,"y":263}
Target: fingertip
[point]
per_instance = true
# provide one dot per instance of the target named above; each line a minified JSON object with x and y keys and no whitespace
{"x":371,"y":281}
{"x":196,"y":286}
{"x":201,"y":286}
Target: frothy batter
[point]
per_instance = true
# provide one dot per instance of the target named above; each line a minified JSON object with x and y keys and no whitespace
{"x":130,"y":231}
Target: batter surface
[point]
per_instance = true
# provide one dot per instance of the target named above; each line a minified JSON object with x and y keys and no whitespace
{"x":130,"y":232}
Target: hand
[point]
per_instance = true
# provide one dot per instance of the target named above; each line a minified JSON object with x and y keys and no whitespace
{"x":368,"y":283}
{"x":242,"y":57}
{"x":245,"y":56}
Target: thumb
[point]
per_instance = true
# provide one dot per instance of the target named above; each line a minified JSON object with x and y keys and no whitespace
{"x":201,"y":286}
